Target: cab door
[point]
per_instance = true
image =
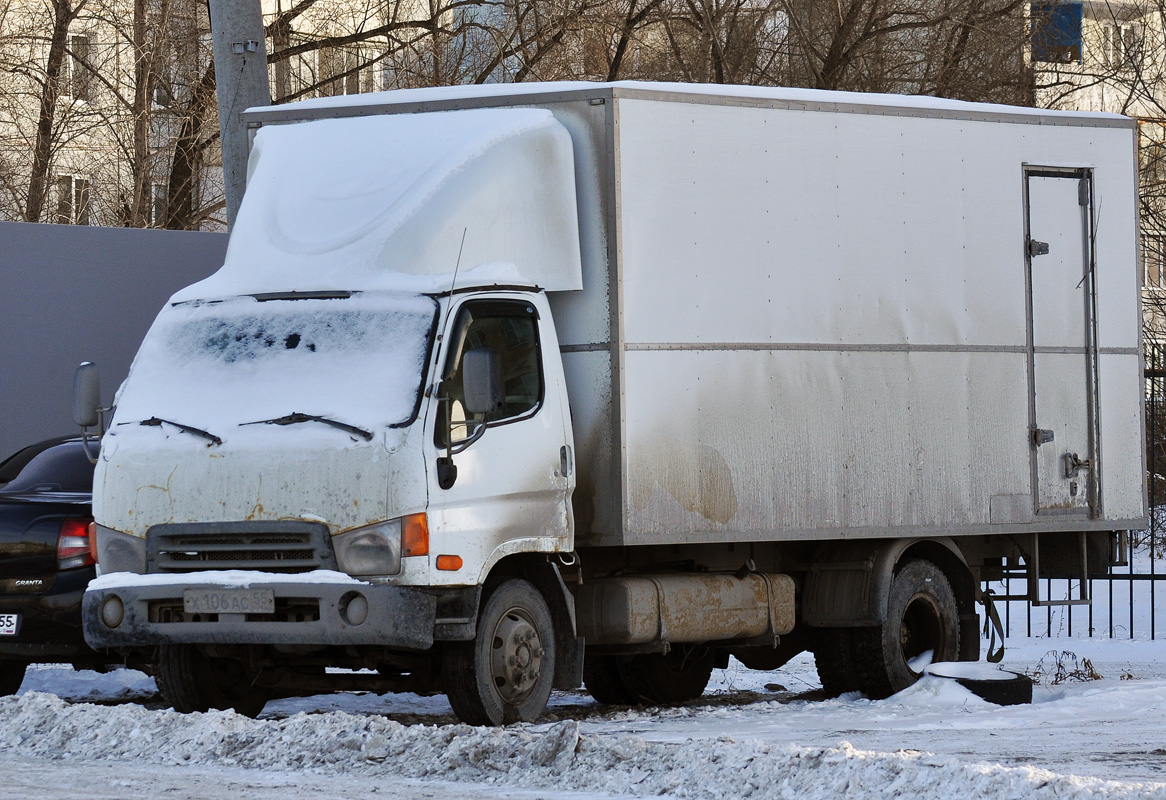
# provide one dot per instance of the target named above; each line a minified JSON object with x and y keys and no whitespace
{"x":499,"y":481}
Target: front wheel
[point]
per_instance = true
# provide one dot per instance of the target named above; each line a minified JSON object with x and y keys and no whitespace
{"x":192,"y":681}
{"x":504,"y":675}
{"x":922,"y":627}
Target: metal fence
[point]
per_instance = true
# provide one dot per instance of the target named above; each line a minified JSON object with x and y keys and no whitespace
{"x":1125,"y":599}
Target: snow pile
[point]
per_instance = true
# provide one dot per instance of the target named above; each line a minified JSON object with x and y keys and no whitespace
{"x":557,"y":756}
{"x":115,"y":686}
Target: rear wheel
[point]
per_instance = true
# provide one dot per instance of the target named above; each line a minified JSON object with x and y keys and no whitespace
{"x":602,"y":679}
{"x":192,"y":681}
{"x":11,"y":676}
{"x":676,"y":676}
{"x":922,"y":627}
{"x":833,"y":650}
{"x":504,"y":675}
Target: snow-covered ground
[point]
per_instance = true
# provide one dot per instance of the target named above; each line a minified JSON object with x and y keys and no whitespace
{"x":754,"y":734}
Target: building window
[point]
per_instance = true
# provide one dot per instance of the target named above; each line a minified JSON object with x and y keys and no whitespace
{"x":329,"y":64}
{"x":1056,"y":32}
{"x":72,"y":200}
{"x":79,"y":68}
{"x":1121,"y":45}
{"x":339,"y":71}
{"x":1153,"y":274}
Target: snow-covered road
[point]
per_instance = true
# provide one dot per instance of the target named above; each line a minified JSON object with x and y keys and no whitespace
{"x":753,"y":734}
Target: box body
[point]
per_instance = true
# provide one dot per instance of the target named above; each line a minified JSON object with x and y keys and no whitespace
{"x":815,"y":315}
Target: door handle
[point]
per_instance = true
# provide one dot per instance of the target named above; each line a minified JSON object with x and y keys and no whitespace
{"x":1074,"y":464}
{"x":565,"y":461}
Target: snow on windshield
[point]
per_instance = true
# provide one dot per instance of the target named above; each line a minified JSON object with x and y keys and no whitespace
{"x":357,"y":360}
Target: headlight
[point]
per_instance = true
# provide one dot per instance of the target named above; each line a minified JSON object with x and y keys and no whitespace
{"x":119,"y":552}
{"x":375,"y":550}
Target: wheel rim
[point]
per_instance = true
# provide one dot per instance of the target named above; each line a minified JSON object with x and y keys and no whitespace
{"x":516,"y":656}
{"x":921,"y":630}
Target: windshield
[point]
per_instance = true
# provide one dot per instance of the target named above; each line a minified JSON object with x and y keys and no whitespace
{"x":359,"y":360}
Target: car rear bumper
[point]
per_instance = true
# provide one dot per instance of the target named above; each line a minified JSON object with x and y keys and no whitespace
{"x":50,"y":622}
{"x":305,"y":613}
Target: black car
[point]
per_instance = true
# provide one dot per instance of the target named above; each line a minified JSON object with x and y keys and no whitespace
{"x":45,"y":560}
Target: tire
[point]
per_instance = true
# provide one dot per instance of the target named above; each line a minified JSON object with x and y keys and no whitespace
{"x":679,"y":675}
{"x":11,"y":676}
{"x":191,"y":681}
{"x":602,"y":679}
{"x":833,"y":650}
{"x":505,"y":674}
{"x":1012,"y":691}
{"x":922,"y":615}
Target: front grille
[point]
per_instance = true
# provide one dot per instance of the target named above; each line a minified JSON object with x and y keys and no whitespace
{"x":264,"y":546}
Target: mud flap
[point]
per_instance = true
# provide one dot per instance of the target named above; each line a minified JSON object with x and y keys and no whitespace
{"x":568,"y":645}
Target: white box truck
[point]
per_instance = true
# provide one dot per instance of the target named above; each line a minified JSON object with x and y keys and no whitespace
{"x":509,"y":388}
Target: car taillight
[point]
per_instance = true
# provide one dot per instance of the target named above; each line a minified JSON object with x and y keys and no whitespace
{"x":73,"y":544}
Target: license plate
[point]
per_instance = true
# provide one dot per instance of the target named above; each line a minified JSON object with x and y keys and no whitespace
{"x":9,"y":624}
{"x":229,"y":601}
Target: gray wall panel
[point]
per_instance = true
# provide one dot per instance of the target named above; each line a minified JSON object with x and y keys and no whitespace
{"x":74,"y":293}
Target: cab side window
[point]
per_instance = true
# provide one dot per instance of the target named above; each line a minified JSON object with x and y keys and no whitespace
{"x":509,"y":329}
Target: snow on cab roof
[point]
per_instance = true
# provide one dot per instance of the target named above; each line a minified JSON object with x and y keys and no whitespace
{"x":401,"y":201}
{"x":775,"y":94}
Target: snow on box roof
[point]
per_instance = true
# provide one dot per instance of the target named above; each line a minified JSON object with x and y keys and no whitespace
{"x":379,"y":202}
{"x":776,"y":94}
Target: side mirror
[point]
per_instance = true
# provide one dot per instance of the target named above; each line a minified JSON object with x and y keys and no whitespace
{"x":482,"y":380}
{"x":86,"y":395}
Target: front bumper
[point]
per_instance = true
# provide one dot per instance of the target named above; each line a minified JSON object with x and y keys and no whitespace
{"x":306,"y":613}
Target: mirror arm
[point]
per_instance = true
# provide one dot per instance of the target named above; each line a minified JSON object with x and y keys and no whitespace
{"x":473,"y":437}
{"x":85,"y":446}
{"x":102,"y":418}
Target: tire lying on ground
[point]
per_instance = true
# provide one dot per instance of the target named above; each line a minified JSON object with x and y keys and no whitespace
{"x":997,"y":686}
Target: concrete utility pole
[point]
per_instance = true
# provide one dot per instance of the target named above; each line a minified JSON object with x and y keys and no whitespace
{"x":241,"y":78}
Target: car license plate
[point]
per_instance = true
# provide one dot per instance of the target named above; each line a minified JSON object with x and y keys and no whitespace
{"x":228,"y":601}
{"x":9,"y":624}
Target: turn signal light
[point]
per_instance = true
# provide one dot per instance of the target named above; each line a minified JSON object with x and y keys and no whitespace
{"x":415,"y":535}
{"x":449,"y":562}
{"x":92,"y":530}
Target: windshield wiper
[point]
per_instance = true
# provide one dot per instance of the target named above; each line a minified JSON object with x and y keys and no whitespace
{"x":297,"y":417}
{"x":158,"y":422}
